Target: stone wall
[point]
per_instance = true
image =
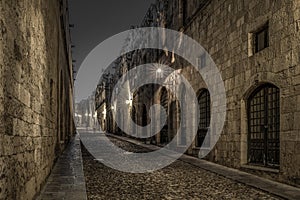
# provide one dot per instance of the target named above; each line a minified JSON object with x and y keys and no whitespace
{"x":85,"y":114}
{"x":36,"y":87}
{"x":226,"y":29}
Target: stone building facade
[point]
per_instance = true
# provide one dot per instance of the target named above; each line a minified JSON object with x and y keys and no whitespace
{"x":85,"y":114}
{"x":103,"y":105}
{"x":36,"y":93}
{"x":255,"y":45}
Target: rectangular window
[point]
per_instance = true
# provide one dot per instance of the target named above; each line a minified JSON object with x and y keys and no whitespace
{"x":202,"y":61}
{"x":261,"y":39}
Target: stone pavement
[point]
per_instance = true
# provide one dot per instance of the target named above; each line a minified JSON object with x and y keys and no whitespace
{"x":186,"y":178}
{"x":67,"y":179}
{"x":272,"y":187}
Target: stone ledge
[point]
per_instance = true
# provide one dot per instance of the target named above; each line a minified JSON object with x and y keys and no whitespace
{"x":260,"y":168}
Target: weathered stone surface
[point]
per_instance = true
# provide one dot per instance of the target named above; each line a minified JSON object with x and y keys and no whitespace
{"x":33,"y":62}
{"x":226,"y":29}
{"x":67,"y":178}
{"x":180,"y":180}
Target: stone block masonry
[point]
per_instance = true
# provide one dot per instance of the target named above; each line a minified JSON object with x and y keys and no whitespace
{"x":255,"y":45}
{"x":36,"y":87}
{"x":233,"y":27}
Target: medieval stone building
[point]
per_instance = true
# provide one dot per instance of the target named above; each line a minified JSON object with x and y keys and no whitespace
{"x":36,"y":93}
{"x":85,"y":114}
{"x":255,"y":45}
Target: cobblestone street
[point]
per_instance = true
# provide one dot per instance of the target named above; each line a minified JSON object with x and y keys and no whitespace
{"x":180,"y":180}
{"x":150,"y":100}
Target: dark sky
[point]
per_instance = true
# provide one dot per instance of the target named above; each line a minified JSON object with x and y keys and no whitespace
{"x":96,"y":20}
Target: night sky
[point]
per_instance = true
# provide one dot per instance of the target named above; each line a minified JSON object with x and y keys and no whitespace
{"x":97,"y":20}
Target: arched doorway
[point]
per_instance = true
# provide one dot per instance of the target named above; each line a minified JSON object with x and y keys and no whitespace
{"x":134,"y":117}
{"x":264,"y":126}
{"x":174,"y":119}
{"x":204,"y":118}
{"x":144,"y":118}
{"x":110,"y":122}
{"x":164,"y":103}
{"x":183,"y":110}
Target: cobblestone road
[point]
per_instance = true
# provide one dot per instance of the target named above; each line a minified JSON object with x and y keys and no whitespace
{"x":180,"y":180}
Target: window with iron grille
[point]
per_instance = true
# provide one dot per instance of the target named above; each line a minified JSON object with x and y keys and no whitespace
{"x":264,"y":126}
{"x":204,"y":118}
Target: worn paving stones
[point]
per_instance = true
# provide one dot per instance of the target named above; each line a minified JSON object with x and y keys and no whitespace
{"x":66,"y":180}
{"x":180,"y":180}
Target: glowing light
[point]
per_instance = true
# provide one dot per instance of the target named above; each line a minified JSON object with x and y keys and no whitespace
{"x":129,"y":102}
{"x":159,"y":70}
{"x":173,"y":58}
{"x":77,"y":115}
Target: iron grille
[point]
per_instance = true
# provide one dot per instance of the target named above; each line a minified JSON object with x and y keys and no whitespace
{"x":264,"y":126}
{"x":204,"y":118}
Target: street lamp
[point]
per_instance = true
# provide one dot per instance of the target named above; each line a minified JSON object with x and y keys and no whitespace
{"x":159,"y":72}
{"x":129,"y":101}
{"x":173,"y":58}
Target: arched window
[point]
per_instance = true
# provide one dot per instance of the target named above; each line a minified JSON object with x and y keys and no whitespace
{"x":204,"y":118}
{"x":264,"y":126}
{"x":164,"y":98}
